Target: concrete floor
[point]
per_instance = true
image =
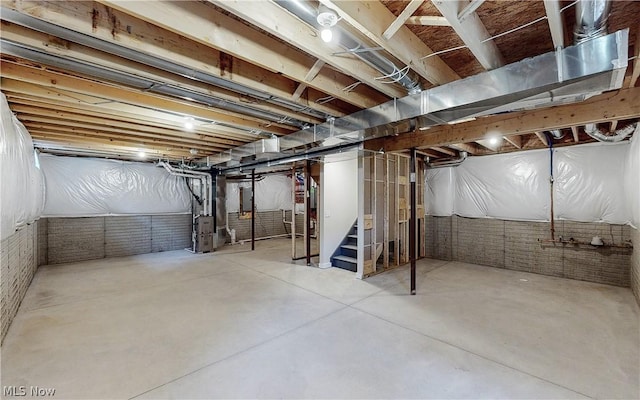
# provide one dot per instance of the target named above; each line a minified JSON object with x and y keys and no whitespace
{"x":237,"y":324}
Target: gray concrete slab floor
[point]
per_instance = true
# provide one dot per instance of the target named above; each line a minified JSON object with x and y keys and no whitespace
{"x":242,"y":324}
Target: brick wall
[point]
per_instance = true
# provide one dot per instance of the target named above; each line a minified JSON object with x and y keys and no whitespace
{"x":514,"y":245}
{"x":635,"y":264}
{"x":80,"y":239}
{"x":18,"y":263}
{"x":268,"y":223}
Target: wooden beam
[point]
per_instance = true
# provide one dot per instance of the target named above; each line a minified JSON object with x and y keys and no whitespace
{"x":131,"y":96}
{"x":473,"y":33}
{"x":575,"y":133}
{"x":636,"y":61}
{"x":369,"y":17}
{"x":313,"y":72}
{"x":66,"y":49}
{"x":515,"y":140}
{"x":556,"y":27}
{"x":196,"y":21}
{"x":613,"y":126}
{"x":615,"y":105}
{"x":542,"y":138}
{"x":444,"y":150}
{"x":82,"y":143}
{"x":427,"y":20}
{"x":272,"y":73}
{"x":469,"y":9}
{"x":464,"y":147}
{"x":401,"y":19}
{"x":30,"y":94}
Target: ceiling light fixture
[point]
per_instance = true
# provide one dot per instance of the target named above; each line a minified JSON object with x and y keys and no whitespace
{"x":494,"y":141}
{"x":326,"y":19}
{"x":142,"y":154}
{"x":188,"y":124}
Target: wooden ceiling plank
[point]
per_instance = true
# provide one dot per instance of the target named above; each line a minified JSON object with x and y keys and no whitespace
{"x":98,"y":21}
{"x":129,"y":96}
{"x":40,"y":137}
{"x":427,"y":20}
{"x":402,"y":18}
{"x":277,"y":21}
{"x":575,"y":133}
{"x":556,"y":26}
{"x":473,"y":33}
{"x":616,"y":105}
{"x":370,"y":17}
{"x":205,"y":25}
{"x":515,"y":140}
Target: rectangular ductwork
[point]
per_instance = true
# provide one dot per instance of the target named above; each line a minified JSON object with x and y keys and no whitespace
{"x":267,"y":147}
{"x":564,"y":76}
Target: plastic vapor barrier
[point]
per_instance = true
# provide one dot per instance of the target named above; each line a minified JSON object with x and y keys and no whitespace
{"x":589,"y":183}
{"x":93,"y":187}
{"x":272,"y":193}
{"x":21,"y":181}
{"x":632,"y":179}
{"x":592,"y":183}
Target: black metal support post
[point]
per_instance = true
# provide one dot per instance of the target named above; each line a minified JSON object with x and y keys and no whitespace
{"x":412,"y":220}
{"x":307,"y":189}
{"x":253,"y":209}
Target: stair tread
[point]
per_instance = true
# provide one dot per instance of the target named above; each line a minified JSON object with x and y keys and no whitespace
{"x":346,"y":259}
{"x":353,"y":236}
{"x":349,"y":246}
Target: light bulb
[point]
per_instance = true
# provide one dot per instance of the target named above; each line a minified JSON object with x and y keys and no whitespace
{"x":494,"y":141}
{"x":142,"y":154}
{"x":188,"y":124}
{"x":326,"y":35}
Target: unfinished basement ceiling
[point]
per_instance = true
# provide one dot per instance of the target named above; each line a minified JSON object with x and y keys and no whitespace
{"x":185,"y":80}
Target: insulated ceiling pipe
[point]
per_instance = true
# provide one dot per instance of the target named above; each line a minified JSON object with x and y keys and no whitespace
{"x":618,"y":136}
{"x":408,"y":79}
{"x":591,"y":19}
{"x":448,"y":163}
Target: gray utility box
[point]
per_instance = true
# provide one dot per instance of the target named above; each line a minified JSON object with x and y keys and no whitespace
{"x":203,"y":229}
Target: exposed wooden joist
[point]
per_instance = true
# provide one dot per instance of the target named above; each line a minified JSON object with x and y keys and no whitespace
{"x":444,"y":150}
{"x":130,"y":96}
{"x":313,"y":72}
{"x":427,"y":20}
{"x":470,"y":8}
{"x":636,"y":62}
{"x":575,"y":133}
{"x":515,"y":140}
{"x":400,"y":20}
{"x":542,"y":138}
{"x":30,"y":94}
{"x":554,"y":18}
{"x":370,"y":17}
{"x":621,"y":104}
{"x":473,"y":33}
{"x":277,"y":61}
{"x":65,"y":49}
{"x":464,"y":147}
{"x":613,"y":126}
{"x":277,"y":21}
{"x":73,"y":147}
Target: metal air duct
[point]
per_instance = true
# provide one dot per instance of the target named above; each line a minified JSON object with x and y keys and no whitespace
{"x":448,"y":163}
{"x":568,"y":75}
{"x":591,"y":19}
{"x":618,"y":136}
{"x":407,"y":78}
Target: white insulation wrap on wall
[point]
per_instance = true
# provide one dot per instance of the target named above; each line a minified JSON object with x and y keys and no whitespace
{"x":589,"y":183}
{"x":91,"y":187}
{"x":632,"y":179}
{"x":593,"y":183}
{"x":21,"y":181}
{"x":272,"y":193}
